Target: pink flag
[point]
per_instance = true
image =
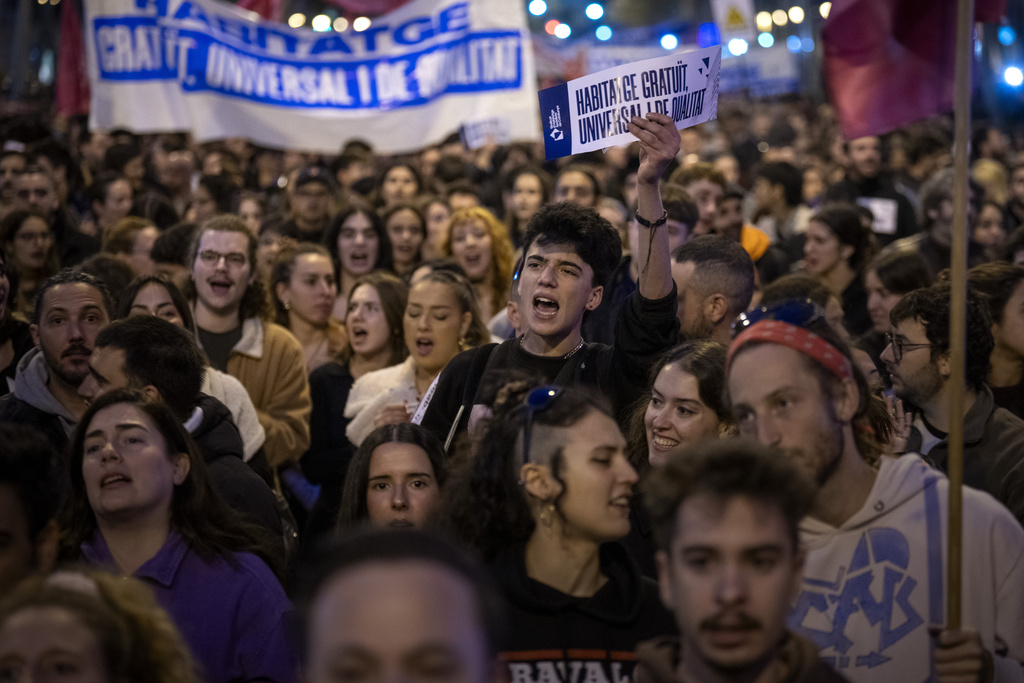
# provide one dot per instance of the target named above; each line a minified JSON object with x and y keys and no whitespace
{"x":892,"y":62}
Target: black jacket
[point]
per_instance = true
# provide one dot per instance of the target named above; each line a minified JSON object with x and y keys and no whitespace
{"x":880,"y":187}
{"x":234,"y":481}
{"x":587,"y":638}
{"x":13,"y":409}
{"x":645,"y":329}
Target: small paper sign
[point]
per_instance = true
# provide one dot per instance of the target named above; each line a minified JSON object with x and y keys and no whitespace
{"x":592,"y":112}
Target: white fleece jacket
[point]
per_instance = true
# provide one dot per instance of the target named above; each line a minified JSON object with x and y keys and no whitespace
{"x":873,"y":586}
{"x":375,"y":390}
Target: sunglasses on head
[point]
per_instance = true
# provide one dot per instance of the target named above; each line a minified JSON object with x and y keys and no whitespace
{"x":538,"y":400}
{"x":799,"y":312}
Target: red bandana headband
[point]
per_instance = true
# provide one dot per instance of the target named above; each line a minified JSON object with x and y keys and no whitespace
{"x":797,"y":338}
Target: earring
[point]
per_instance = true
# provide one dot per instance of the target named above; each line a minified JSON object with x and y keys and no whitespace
{"x":287,"y":305}
{"x":462,"y":343}
{"x":547,"y":516}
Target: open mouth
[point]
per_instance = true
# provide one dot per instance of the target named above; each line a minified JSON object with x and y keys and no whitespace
{"x":621,"y":504}
{"x":357,"y":334}
{"x":424,"y":346}
{"x":114,"y":480}
{"x":359,"y":260}
{"x":544,"y":307}
{"x":663,"y":442}
{"x":220,"y":287}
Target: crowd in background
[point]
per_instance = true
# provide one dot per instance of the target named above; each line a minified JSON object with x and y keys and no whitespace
{"x":226,"y":356}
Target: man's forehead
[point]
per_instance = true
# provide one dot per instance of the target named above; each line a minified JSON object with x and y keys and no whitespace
{"x":224,"y":237}
{"x":734,"y":522}
{"x":72,"y":295}
{"x":704,"y":186}
{"x":767,"y":368}
{"x":562,"y":252}
{"x":35,"y":179}
{"x":909,"y":327}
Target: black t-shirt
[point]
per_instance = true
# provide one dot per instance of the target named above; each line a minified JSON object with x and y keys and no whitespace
{"x":218,"y":345}
{"x":645,"y":329}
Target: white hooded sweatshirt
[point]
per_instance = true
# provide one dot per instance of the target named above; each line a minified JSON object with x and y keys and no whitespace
{"x":873,"y":586}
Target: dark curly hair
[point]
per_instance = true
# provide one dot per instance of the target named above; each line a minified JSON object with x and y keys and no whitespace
{"x":930,"y":307}
{"x":483,"y":504}
{"x":585,"y":231}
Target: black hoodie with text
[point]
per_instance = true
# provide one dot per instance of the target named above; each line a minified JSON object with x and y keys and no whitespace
{"x":553,"y":637}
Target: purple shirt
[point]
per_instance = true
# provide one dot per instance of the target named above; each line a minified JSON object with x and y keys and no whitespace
{"x":232,"y":617}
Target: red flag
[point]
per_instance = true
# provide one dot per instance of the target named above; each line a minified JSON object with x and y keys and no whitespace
{"x":892,"y":62}
{"x":72,"y":78}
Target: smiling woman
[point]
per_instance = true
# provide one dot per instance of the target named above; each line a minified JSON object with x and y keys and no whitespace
{"x":685,"y":405}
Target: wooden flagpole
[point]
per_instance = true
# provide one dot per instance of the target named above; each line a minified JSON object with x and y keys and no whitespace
{"x":958,"y":307}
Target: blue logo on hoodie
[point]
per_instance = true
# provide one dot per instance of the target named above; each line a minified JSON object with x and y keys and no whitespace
{"x":880,"y":560}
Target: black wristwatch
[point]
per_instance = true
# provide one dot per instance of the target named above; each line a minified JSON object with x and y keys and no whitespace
{"x":647,"y":224}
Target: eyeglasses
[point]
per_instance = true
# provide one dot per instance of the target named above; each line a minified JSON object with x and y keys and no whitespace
{"x":899,"y":346}
{"x":211,"y":258}
{"x":799,"y":312}
{"x":539,"y":399}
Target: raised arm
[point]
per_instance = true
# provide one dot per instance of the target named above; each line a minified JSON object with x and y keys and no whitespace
{"x":659,"y":144}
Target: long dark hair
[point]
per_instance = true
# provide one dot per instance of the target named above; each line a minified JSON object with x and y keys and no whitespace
{"x":483,"y":504}
{"x":383,"y":241}
{"x":124,"y":305}
{"x":207,"y":524}
{"x":900,"y":272}
{"x":705,"y":361}
{"x":353,"y":495}
{"x":844,"y":222}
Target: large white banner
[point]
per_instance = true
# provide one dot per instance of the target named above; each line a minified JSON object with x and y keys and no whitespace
{"x":411,"y":78}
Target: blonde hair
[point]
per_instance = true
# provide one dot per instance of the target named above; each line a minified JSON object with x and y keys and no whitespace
{"x":502,"y":251}
{"x":137,"y":638}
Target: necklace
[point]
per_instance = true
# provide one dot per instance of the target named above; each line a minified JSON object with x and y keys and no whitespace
{"x":522,"y":341}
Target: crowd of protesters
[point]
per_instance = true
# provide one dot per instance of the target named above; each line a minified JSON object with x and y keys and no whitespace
{"x":675,"y":412}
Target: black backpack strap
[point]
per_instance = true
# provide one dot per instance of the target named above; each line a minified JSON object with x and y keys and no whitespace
{"x":477,"y":369}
